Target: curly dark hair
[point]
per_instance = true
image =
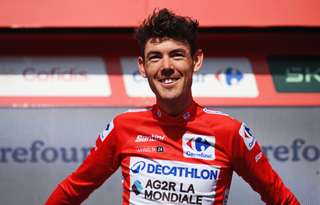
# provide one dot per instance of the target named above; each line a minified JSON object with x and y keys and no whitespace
{"x":165,"y":24}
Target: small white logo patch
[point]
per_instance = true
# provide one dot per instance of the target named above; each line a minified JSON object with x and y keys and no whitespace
{"x":106,"y":131}
{"x":248,"y":138}
{"x":259,"y":156}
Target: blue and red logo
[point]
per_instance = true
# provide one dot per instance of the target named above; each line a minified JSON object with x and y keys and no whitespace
{"x":248,"y":138}
{"x":198,"y":146}
{"x":201,"y":144}
{"x":231,"y":76}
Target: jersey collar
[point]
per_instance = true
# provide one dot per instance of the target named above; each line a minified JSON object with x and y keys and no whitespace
{"x":187,"y":115}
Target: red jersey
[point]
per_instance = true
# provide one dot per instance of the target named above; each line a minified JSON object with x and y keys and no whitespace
{"x":188,"y":159}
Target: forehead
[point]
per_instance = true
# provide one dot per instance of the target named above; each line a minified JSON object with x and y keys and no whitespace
{"x":165,"y":44}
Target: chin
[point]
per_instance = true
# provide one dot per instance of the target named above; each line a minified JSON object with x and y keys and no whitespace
{"x":169,"y":98}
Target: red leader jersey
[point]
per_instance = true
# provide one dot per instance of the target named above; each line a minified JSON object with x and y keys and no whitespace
{"x":188,"y":159}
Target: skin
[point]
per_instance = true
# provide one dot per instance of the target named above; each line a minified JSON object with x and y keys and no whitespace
{"x":168,"y":66}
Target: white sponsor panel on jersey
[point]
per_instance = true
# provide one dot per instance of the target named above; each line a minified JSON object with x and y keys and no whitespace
{"x":198,"y":146}
{"x":171,"y":182}
{"x":53,"y":76}
{"x":218,"y":77}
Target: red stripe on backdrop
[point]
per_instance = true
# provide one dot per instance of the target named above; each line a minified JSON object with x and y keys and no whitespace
{"x":129,"y":13}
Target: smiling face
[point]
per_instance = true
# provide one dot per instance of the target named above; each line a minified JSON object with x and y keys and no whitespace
{"x":168,"y":66}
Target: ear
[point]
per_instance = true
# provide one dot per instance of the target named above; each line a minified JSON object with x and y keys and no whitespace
{"x":197,"y":60}
{"x":141,"y":67}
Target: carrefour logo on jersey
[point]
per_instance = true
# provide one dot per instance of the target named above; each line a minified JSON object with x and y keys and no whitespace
{"x":198,"y":146}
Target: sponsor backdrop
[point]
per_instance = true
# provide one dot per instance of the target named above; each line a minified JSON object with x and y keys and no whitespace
{"x":54,"y":103}
{"x":100,"y":81}
{"x":40,"y":146}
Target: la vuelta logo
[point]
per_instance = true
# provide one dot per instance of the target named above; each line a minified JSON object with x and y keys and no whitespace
{"x":31,"y":74}
{"x":199,"y":146}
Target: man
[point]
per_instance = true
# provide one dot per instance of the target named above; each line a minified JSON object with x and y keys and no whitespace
{"x":174,"y":152}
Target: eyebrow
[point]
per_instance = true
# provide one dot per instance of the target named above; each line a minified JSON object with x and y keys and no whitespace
{"x":178,"y":50}
{"x":152,"y":53}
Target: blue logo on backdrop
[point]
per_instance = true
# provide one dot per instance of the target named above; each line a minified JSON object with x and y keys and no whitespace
{"x":232,"y":75}
{"x":37,"y":152}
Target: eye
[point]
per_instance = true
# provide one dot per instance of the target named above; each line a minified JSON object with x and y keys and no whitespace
{"x":155,"y":57}
{"x":177,"y":55}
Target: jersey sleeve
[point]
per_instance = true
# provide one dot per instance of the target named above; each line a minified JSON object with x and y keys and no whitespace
{"x":252,"y":165}
{"x":100,"y":164}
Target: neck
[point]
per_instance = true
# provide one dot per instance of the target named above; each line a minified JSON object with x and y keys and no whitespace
{"x":174,"y":107}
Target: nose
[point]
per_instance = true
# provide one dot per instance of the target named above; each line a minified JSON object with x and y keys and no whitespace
{"x":167,"y":67}
{"x":166,"y":63}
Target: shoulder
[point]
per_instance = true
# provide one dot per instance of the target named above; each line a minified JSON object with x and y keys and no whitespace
{"x":133,"y":116}
{"x":218,"y":120}
{"x":213,"y":115}
{"x":126,"y":122}
{"x":225,"y":125}
{"x":209,"y":112}
{"x":143,"y":110}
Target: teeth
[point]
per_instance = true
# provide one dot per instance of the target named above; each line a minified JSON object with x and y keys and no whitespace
{"x":167,"y":81}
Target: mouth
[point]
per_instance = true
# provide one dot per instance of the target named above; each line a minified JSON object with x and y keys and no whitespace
{"x":168,"y":80}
